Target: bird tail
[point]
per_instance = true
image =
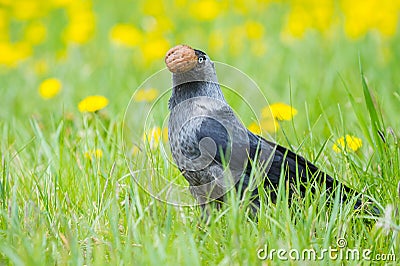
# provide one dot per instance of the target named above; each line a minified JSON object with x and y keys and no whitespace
{"x":297,"y":165}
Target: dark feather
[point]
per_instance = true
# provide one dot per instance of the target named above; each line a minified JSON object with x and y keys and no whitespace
{"x":211,"y":128}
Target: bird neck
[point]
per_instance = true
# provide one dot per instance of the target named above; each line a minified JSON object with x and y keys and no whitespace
{"x":185,"y":91}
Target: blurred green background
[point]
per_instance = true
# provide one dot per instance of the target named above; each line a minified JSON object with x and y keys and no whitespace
{"x":65,"y":193}
{"x":95,"y":47}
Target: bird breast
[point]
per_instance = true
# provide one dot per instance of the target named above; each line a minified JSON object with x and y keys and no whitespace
{"x":184,"y":121}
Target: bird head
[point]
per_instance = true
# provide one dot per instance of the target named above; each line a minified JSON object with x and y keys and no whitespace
{"x":188,"y":64}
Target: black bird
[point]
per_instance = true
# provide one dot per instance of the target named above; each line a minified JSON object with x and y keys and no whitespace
{"x":214,"y":150}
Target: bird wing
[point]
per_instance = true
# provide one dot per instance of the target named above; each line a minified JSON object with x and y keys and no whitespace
{"x":243,"y":148}
{"x":212,"y":128}
{"x":294,"y":164}
{"x":236,"y":144}
{"x":296,"y":167}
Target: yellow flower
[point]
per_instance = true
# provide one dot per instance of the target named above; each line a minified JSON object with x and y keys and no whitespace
{"x":145,"y":95}
{"x":81,"y":26}
{"x":154,"y":49}
{"x":310,"y":14}
{"x":27,"y":9}
{"x":348,"y":143}
{"x":153,"y":8}
{"x":97,"y":153}
{"x":6,"y":3}
{"x":280,"y":111}
{"x":205,"y":10}
{"x":60,"y":3}
{"x":126,"y":35}
{"x":243,"y":7}
{"x":359,"y":16}
{"x":254,"y":30}
{"x":4,"y":25}
{"x":364,"y":15}
{"x":298,"y":21}
{"x":92,"y":103}
{"x":387,"y":17}
{"x":165,"y":134}
{"x":388,"y":25}
{"x":35,"y":33}
{"x":12,"y":53}
{"x":269,"y":124}
{"x":180,"y":3}
{"x":323,"y":15}
{"x":49,"y":88}
{"x":255,"y":128}
{"x":154,"y":136}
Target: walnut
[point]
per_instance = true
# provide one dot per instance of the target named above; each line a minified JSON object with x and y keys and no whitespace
{"x":180,"y":58}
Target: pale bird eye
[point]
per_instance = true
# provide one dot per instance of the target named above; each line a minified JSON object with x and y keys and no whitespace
{"x":200,"y":60}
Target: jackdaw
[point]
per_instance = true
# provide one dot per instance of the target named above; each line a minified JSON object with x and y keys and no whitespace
{"x":214,"y":150}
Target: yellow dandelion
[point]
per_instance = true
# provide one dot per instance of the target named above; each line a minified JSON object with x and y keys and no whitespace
{"x":205,"y":10}
{"x":97,"y":153}
{"x":279,"y":111}
{"x":12,"y":53}
{"x":347,"y":143}
{"x":49,"y":88}
{"x":323,"y":15}
{"x":254,"y":30}
{"x":92,"y":103}
{"x":270,"y":125}
{"x":152,"y":137}
{"x":60,"y":3}
{"x":255,"y":128}
{"x":354,"y":29}
{"x":27,"y":9}
{"x":81,"y":26}
{"x":4,"y":26}
{"x":125,"y":35}
{"x":35,"y":33}
{"x":154,"y":8}
{"x":267,"y":124}
{"x":298,"y":21}
{"x":363,"y":16}
{"x":145,"y":95}
{"x":154,"y":49}
{"x":386,"y":21}
{"x":165,"y":134}
{"x":242,"y":7}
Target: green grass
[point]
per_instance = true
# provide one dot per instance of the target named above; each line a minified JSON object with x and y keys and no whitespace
{"x":59,"y":207}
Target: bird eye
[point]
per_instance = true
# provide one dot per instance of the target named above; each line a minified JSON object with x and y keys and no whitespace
{"x":201,"y":59}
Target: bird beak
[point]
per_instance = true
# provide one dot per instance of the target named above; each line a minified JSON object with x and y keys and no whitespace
{"x":180,"y":59}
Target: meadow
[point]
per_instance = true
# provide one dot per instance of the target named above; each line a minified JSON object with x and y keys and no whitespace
{"x":78,"y":79}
